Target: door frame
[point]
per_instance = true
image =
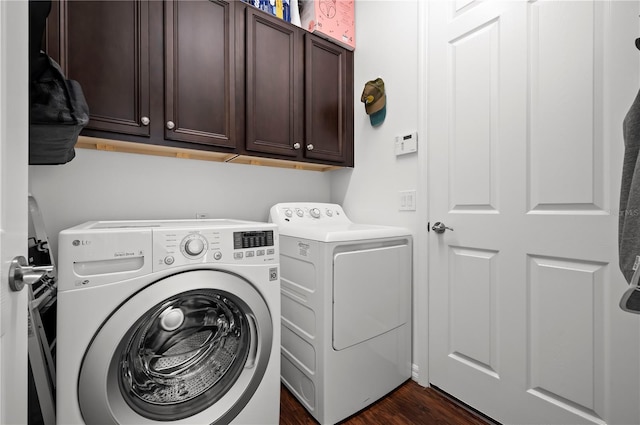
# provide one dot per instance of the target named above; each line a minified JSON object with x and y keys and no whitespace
{"x":421,"y":333}
{"x":14,"y":144}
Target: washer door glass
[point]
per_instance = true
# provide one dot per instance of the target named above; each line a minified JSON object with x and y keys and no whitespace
{"x":183,"y":355}
{"x":193,"y":345}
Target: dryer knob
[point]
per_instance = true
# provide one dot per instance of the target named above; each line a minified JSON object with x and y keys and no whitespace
{"x":315,"y":212}
{"x":194,"y":246}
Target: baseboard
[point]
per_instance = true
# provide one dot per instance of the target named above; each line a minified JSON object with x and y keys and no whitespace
{"x":415,"y":372}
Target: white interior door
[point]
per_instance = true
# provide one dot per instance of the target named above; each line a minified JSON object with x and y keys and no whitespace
{"x":525,"y":107}
{"x":13,"y":207}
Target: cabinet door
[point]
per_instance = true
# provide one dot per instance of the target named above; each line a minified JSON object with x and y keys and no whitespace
{"x":274,"y":79}
{"x":104,"y":45}
{"x":200,"y":72}
{"x":328,"y":102}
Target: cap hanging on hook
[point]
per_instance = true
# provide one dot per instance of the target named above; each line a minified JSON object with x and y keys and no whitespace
{"x":375,"y":101}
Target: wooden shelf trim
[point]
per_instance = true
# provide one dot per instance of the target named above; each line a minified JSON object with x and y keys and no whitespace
{"x":144,"y":149}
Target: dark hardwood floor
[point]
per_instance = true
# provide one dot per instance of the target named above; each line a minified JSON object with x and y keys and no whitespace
{"x":408,"y":404}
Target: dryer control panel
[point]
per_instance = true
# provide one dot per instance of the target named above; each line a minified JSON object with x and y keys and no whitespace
{"x":311,"y":213}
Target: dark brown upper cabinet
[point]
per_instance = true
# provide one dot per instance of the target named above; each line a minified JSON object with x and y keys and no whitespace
{"x":328,"y":101}
{"x":299,"y":93}
{"x":215,"y":75}
{"x":152,"y":72}
{"x":104,"y":45}
{"x":199,"y":72}
{"x":274,"y":90}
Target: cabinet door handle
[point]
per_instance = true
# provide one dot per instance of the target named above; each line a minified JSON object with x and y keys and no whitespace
{"x":309,"y":147}
{"x":145,"y":120}
{"x":171,"y":125}
{"x":296,"y":145}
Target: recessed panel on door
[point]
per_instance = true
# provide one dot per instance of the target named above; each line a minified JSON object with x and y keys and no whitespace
{"x":566,"y":163}
{"x":473,"y":333}
{"x":567,"y":349}
{"x":473,"y":138}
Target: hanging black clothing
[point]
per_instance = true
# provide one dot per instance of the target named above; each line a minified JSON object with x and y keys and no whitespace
{"x":629,"y":219}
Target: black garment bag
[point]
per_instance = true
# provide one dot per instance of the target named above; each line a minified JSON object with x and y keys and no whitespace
{"x":57,"y":108}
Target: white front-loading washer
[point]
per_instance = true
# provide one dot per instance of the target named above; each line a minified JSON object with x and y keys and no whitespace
{"x":346,"y":308}
{"x":173,"y":321}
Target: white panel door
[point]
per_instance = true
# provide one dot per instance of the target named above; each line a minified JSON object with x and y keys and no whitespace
{"x":13,"y":206}
{"x":525,"y":107}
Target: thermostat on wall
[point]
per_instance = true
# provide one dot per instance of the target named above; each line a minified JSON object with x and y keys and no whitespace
{"x":406,"y":144}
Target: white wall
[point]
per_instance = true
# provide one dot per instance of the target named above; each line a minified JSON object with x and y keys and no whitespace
{"x":387,"y":47}
{"x":99,"y":185}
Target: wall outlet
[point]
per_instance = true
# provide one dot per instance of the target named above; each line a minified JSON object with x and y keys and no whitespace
{"x":407,"y":143}
{"x":407,"y":200}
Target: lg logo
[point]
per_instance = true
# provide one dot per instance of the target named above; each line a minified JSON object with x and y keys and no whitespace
{"x":77,"y":242}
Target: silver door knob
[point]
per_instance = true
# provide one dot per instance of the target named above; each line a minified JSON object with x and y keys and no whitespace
{"x":296,"y":145}
{"x":171,"y":125}
{"x":439,"y":227}
{"x":145,"y":120}
{"x":309,"y":147}
{"x":21,"y":273}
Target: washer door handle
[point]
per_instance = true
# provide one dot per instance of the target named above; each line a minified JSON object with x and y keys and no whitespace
{"x":253,"y":347}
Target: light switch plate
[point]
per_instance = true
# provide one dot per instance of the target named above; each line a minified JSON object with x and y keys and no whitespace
{"x":407,"y":200}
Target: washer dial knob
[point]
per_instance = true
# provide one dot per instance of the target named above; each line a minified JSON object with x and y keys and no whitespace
{"x":299,"y":212}
{"x":193,"y":246}
{"x":315,"y":212}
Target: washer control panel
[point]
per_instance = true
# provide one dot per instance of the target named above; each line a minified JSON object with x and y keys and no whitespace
{"x":178,"y":247}
{"x":102,"y":252}
{"x":311,"y":213}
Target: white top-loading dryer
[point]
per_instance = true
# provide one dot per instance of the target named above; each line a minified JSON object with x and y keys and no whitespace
{"x":346,"y":308}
